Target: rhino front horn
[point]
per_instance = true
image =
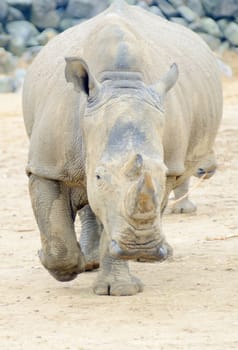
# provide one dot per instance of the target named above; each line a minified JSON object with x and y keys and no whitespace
{"x":142,"y":201}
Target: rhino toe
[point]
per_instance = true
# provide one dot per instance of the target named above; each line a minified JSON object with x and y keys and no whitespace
{"x":118,"y":288}
{"x":184,"y":206}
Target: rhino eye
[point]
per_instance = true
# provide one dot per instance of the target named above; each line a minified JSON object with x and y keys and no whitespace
{"x":98,"y":177}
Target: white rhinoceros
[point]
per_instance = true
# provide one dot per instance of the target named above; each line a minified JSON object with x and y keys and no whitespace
{"x":108,"y":136}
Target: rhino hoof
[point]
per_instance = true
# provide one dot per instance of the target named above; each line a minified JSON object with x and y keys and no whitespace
{"x":184,"y":207}
{"x":63,"y":272}
{"x":118,"y":288}
{"x":63,"y":276}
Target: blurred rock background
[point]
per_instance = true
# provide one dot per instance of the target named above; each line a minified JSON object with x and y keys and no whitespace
{"x":27,"y":25}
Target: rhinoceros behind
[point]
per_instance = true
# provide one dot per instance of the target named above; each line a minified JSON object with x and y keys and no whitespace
{"x":120,"y":110}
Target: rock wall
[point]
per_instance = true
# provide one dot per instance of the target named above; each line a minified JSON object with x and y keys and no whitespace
{"x":27,"y":25}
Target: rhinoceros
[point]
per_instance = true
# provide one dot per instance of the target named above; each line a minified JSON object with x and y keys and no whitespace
{"x":120,"y":110}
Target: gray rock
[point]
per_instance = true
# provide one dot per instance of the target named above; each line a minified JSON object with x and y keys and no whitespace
{"x":225,"y":45}
{"x":179,"y":20}
{"x":21,"y":29}
{"x":187,"y":13}
{"x":156,"y":11}
{"x":221,"y":8}
{"x":85,"y":8}
{"x":21,"y":33}
{"x":131,"y":2}
{"x":77,"y":9}
{"x":7,"y":61}
{"x":30,"y":54}
{"x":69,"y":22}
{"x":98,"y":6}
{"x":3,"y":10}
{"x":231,"y":33}
{"x":4,"y":39}
{"x":22,"y":5}
{"x":149,"y":2}
{"x":32,"y":42}
{"x":196,"y":6}
{"x":176,"y":3}
{"x":14,"y":14}
{"x":46,"y":36}
{"x":61,"y":3}
{"x":6,"y":84}
{"x":213,"y":43}
{"x":19,"y":77}
{"x":167,"y":9}
{"x":143,"y":5}
{"x":17,"y":46}
{"x":223,"y":23}
{"x":44,"y":14}
{"x":207,"y":25}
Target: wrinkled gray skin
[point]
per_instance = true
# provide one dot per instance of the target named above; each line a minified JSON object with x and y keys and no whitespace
{"x":120,"y":111}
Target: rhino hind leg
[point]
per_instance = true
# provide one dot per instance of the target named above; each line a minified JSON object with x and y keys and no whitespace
{"x":60,"y":254}
{"x":89,"y":237}
{"x":184,"y":205}
{"x":114,"y":277}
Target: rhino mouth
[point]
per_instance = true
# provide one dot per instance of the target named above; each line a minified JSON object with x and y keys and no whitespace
{"x":139,"y":244}
{"x":135,"y":252}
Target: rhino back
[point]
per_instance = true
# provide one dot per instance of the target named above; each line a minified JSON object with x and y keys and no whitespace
{"x":120,"y":39}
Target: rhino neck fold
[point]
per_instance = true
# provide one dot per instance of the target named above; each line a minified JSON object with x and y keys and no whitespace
{"x":122,"y":79}
{"x":121,"y":85}
{"x":122,"y":75}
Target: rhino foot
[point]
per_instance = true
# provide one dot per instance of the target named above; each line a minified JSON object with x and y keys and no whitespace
{"x":63,"y":276}
{"x":111,"y":286}
{"x":91,"y":258}
{"x":184,"y":206}
{"x":114,"y":278}
{"x":62,"y":270}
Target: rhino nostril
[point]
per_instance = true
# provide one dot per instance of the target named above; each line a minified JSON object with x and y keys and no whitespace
{"x":163,"y":252}
{"x":200,"y":172}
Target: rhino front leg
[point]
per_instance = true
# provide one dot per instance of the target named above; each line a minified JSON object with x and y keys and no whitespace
{"x":90,"y":237}
{"x":184,"y":205}
{"x":60,"y":254}
{"x":114,"y":277}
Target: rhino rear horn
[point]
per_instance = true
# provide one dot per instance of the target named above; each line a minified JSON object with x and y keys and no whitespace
{"x":167,"y":81}
{"x":78,"y":73}
{"x":134,"y":166}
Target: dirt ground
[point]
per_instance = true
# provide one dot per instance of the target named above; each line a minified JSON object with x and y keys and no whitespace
{"x":189,"y":303}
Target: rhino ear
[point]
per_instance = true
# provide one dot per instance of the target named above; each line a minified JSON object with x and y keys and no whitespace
{"x":78,"y":73}
{"x":167,"y":81}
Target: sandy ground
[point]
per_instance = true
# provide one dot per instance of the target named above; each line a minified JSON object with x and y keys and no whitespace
{"x":188,"y":303}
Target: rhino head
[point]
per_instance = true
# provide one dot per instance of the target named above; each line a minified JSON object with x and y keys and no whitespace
{"x":123,"y":122}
